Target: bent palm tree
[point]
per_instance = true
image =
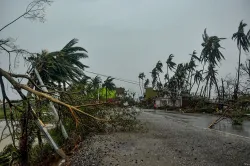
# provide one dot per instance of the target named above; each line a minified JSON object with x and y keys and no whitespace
{"x":211,"y":52}
{"x":154,"y":77}
{"x":211,"y":77}
{"x":170,"y":65}
{"x":191,"y":67}
{"x":242,"y":43}
{"x":108,"y":85}
{"x":197,"y":79}
{"x":61,"y":66}
{"x":158,"y":68}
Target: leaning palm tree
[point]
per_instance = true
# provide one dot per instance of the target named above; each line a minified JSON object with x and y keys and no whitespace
{"x":180,"y":76}
{"x":61,"y":66}
{"x":211,"y":53}
{"x":154,"y":77}
{"x":170,"y":65}
{"x":95,"y":85}
{"x":158,"y":68}
{"x":242,"y":43}
{"x":108,"y":85}
{"x":191,"y":67}
{"x":211,"y":79}
{"x":211,"y":49}
{"x":197,"y":79}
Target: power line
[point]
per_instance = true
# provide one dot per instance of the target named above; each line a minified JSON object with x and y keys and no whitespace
{"x":120,"y":79}
{"x":116,"y":78}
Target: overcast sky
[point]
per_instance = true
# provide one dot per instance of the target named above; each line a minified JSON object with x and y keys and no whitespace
{"x":125,"y":37}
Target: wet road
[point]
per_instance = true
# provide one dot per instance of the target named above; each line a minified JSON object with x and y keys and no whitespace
{"x":172,"y":139}
{"x":204,"y":120}
{"x":7,"y":140}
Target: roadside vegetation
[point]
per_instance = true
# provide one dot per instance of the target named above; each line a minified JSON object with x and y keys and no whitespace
{"x":59,"y":105}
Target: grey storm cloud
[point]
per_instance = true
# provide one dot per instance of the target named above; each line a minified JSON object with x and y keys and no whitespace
{"x":125,"y":37}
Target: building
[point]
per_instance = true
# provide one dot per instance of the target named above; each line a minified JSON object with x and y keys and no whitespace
{"x":167,"y":101}
{"x":120,"y":92}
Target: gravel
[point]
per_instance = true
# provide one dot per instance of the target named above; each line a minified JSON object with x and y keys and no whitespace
{"x":167,"y":142}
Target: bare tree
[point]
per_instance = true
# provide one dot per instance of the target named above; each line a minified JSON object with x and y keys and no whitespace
{"x":34,"y":11}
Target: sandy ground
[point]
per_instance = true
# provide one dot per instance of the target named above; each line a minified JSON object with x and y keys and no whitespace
{"x":167,"y":142}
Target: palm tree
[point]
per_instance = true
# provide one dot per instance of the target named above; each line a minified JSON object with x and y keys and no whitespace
{"x":95,"y":84}
{"x":180,"y":76}
{"x":170,"y":65}
{"x":191,"y":67}
{"x":154,"y":77}
{"x":108,"y":85}
{"x":141,"y":77}
{"x":197,"y":79}
{"x":159,"y":86}
{"x":211,"y":79}
{"x":173,"y":88}
{"x":242,"y":43}
{"x":211,"y":54}
{"x":158,"y":68}
{"x":61,"y":66}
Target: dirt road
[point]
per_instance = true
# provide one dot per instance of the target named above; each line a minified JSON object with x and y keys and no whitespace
{"x":167,"y":142}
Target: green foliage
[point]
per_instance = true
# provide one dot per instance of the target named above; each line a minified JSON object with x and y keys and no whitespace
{"x":61,"y":66}
{"x":170,"y":64}
{"x":8,"y":155}
{"x":2,"y":113}
{"x":210,"y":52}
{"x":242,"y":38}
{"x":141,"y":76}
{"x":40,"y":155}
{"x":109,"y":84}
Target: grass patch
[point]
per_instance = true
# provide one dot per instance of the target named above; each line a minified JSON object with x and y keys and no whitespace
{"x":2,"y":113}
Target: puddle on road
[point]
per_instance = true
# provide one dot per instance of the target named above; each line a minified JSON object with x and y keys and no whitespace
{"x":204,"y":120}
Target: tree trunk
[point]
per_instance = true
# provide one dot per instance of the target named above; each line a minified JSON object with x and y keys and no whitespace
{"x":223,"y":89}
{"x":140,"y":85}
{"x":238,"y":76}
{"x":159,"y":78}
{"x":190,"y":83}
{"x":23,"y":143}
{"x":64,"y":86}
{"x":210,"y":87}
{"x":198,"y":87}
{"x":205,"y":89}
{"x":167,"y":73}
{"x":200,"y":80}
{"x":191,"y":87}
{"x":143,"y":89}
{"x":217,"y":87}
{"x":187,"y":80}
{"x":201,"y":90}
